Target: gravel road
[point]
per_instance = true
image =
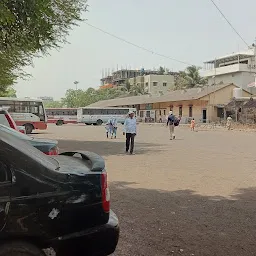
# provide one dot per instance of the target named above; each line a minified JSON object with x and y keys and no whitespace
{"x":191,"y":196}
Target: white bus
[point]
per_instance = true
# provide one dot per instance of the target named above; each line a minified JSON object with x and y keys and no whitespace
{"x":26,"y":112}
{"x":98,"y":116}
{"x":60,"y":116}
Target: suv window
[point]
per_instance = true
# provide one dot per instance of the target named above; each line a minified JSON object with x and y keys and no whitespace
{"x":3,"y":120}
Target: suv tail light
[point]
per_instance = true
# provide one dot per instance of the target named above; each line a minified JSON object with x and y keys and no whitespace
{"x":53,"y":152}
{"x":12,"y":125}
{"x":105,"y":192}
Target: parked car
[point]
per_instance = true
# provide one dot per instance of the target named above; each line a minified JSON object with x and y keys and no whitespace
{"x":59,"y":202}
{"x":7,"y":120}
{"x":49,"y":147}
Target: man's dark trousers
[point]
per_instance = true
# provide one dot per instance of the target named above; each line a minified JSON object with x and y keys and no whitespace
{"x":130,"y":142}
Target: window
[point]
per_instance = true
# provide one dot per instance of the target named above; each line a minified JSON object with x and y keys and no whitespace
{"x":190,"y":111}
{"x":3,"y":120}
{"x":154,"y":83}
{"x":164,"y":112}
{"x":141,"y":114}
{"x":164,"y":84}
{"x":160,"y":112}
{"x":180,"y":110}
{"x":146,"y":84}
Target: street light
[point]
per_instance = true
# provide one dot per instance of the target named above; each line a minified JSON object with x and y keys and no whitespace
{"x":76,"y":83}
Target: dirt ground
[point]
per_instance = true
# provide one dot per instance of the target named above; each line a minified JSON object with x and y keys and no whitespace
{"x":195,"y":195}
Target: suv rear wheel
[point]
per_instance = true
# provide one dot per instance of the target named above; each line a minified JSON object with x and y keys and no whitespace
{"x":29,"y":128}
{"x":20,"y":249}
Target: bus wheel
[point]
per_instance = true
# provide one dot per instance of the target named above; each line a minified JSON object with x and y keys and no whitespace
{"x":29,"y":128}
{"x":99,"y":122}
{"x":59,"y":122}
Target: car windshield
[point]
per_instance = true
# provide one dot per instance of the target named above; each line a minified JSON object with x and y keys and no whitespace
{"x":29,"y":150}
{"x":15,"y":133}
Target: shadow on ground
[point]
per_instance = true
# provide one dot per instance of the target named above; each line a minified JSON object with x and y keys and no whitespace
{"x":106,"y":148}
{"x":183,"y":223}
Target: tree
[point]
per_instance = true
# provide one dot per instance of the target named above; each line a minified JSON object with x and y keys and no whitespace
{"x":29,"y":28}
{"x":138,"y":89}
{"x":54,"y":104}
{"x":193,"y":77}
{"x":189,"y":78}
{"x":81,"y":98}
{"x":161,"y":70}
{"x":10,"y":92}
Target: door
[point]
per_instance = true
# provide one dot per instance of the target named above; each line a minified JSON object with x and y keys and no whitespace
{"x":5,"y":191}
{"x":204,"y":115}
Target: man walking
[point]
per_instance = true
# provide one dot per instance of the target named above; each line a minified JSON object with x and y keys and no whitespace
{"x":170,"y":123}
{"x":130,"y":131}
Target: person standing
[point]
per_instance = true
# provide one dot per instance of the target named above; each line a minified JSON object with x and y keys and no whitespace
{"x":170,"y":123}
{"x":229,"y":121}
{"x":114,"y":127}
{"x":130,"y":130}
{"x":192,"y":124}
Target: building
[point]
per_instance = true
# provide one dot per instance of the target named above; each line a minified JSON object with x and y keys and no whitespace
{"x":153,"y":81}
{"x":204,"y":104}
{"x":154,"y":84}
{"x":237,"y":68}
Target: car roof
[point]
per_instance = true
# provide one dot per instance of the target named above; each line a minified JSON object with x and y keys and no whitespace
{"x":27,"y":149}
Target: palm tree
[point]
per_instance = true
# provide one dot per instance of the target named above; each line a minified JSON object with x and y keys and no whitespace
{"x":189,"y":78}
{"x":193,"y":77}
{"x":138,"y":89}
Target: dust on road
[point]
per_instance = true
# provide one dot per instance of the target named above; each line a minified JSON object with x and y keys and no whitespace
{"x":191,"y":196}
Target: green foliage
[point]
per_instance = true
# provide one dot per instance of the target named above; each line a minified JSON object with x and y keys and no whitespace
{"x":32,"y":27}
{"x":54,"y":104}
{"x":189,"y":78}
{"x":138,"y":89}
{"x":81,"y":98}
{"x":10,"y":92}
{"x":161,"y":70}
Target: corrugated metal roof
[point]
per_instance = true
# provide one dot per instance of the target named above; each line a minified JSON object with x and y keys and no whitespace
{"x":178,"y":95}
{"x":250,"y":104}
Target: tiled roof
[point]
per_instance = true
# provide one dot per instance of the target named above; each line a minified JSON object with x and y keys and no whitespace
{"x":178,"y":95}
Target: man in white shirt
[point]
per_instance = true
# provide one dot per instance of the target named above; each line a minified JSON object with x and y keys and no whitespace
{"x":130,"y":130}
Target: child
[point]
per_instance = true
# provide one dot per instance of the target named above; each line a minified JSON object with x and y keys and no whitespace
{"x":107,"y":127}
{"x":192,"y":124}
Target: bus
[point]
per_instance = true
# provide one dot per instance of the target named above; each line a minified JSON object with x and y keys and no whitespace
{"x":98,"y":116}
{"x":29,"y":113}
{"x":60,"y":116}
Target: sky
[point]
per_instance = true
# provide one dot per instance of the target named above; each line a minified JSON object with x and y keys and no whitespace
{"x":190,"y":31}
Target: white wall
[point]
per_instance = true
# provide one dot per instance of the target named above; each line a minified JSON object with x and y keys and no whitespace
{"x":160,"y":79}
{"x":241,"y":79}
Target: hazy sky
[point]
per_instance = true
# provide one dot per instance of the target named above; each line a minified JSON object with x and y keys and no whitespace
{"x":191,"y":31}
